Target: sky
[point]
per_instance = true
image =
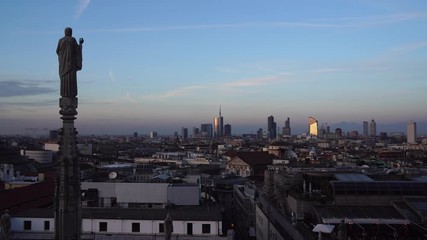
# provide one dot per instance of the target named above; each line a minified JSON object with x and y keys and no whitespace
{"x":157,"y":65}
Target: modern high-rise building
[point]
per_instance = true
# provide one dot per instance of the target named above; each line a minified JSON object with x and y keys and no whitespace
{"x":259,"y":133}
{"x":184,"y":133}
{"x":206,"y":130}
{"x":365,"y":128}
{"x":219,"y":125}
{"x":312,"y":126}
{"x":373,"y":128}
{"x":287,"y":128}
{"x":412,"y":132}
{"x":195,"y":132}
{"x":227,"y":130}
{"x":271,"y":127}
{"x":338,"y":133}
{"x":153,"y":134}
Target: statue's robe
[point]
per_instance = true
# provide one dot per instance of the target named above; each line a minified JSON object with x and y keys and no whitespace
{"x":70,"y":61}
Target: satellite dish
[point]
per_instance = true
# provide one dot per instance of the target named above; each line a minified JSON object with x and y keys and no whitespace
{"x":112,"y":175}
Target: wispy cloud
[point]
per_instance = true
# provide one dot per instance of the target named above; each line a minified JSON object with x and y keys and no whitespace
{"x":232,"y":85}
{"x":15,"y":88}
{"x":254,"y":81}
{"x":182,"y":91}
{"x":110,"y":73}
{"x":411,"y":47}
{"x":83,"y":4}
{"x":130,"y":98}
{"x":374,"y":20}
{"x":347,"y":23}
{"x":329,"y":70}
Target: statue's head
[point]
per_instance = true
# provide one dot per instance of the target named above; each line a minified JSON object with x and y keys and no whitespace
{"x":68,"y":31}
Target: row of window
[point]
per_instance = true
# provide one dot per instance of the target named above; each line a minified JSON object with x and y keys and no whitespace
{"x":136,"y":227}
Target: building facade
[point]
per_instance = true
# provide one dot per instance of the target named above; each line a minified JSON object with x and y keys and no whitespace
{"x":411,"y":132}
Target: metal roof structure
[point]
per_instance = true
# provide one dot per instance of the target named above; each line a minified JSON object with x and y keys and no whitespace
{"x":400,"y":188}
{"x":352,"y":177}
{"x":361,"y":215}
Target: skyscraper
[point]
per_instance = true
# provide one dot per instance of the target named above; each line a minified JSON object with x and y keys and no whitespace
{"x":218,"y":125}
{"x":365,"y":128}
{"x":312,"y":126}
{"x":227,"y":130}
{"x":271,"y":127}
{"x":259,"y":133}
{"x":195,"y":132}
{"x":412,"y":132}
{"x":373,"y":128}
{"x":287,"y":128}
{"x":206,"y":130}
{"x":184,"y":133}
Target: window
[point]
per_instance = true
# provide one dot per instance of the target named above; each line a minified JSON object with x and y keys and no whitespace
{"x":27,"y":225}
{"x":102,"y":226}
{"x":135,"y":227}
{"x":206,"y":228}
{"x":161,"y":228}
{"x":46,"y":225}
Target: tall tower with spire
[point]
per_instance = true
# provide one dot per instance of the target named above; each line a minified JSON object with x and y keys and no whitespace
{"x":219,"y":125}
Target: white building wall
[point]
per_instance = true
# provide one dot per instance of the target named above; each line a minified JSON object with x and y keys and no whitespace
{"x":37,"y":224}
{"x":38,"y":156}
{"x":115,"y":226}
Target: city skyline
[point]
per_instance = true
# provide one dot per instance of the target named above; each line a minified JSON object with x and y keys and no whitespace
{"x":160,"y":65}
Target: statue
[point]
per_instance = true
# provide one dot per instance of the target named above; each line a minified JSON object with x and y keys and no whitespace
{"x":168,"y":227}
{"x":5,"y":233}
{"x":70,"y":61}
{"x":342,"y":230}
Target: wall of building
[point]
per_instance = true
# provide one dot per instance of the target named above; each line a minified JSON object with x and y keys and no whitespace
{"x":183,"y":195}
{"x":37,"y":224}
{"x":130,"y":192}
{"x":119,"y":226}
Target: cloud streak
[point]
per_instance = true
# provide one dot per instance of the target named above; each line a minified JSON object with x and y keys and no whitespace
{"x":22,"y":88}
{"x":326,"y":23}
{"x":187,"y":90}
{"x":182,"y":91}
{"x":253,"y":82}
{"x":411,"y":47}
{"x":83,"y":4}
{"x":110,"y":73}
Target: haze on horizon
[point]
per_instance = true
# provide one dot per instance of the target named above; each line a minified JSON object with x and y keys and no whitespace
{"x":161,"y":65}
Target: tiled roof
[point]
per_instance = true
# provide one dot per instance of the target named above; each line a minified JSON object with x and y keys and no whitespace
{"x":256,"y":158}
{"x":34,"y":195}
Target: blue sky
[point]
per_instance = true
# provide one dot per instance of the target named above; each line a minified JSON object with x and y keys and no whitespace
{"x":160,"y":65}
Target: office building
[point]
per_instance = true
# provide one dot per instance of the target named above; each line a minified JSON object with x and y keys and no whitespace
{"x":365,"y":128}
{"x":312,"y":126}
{"x":184,"y":133}
{"x":411,"y":132}
{"x":227,"y":130}
{"x":259,"y":133}
{"x":287,"y":128}
{"x":153,"y":134}
{"x":373,"y":128}
{"x":195,"y":132}
{"x":206,"y":130}
{"x":271,"y":127}
{"x":219,"y":125}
